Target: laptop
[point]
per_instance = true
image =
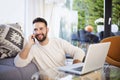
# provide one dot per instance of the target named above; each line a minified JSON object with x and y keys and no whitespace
{"x":95,"y":59}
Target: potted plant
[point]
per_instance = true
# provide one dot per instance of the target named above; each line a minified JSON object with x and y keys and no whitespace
{"x":99,"y":21}
{"x":100,"y":24}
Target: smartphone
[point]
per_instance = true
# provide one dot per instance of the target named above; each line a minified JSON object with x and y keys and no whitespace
{"x":33,"y":38}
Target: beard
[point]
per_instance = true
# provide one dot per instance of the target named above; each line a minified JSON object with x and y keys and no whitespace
{"x":43,"y":38}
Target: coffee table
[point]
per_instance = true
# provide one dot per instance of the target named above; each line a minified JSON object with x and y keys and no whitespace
{"x":108,"y":72}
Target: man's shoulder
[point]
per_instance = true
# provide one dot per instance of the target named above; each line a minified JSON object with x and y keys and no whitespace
{"x":56,"y":39}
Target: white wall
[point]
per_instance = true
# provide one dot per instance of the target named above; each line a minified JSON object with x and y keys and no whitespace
{"x":12,"y":11}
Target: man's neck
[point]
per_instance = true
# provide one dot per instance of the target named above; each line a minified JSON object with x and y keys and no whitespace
{"x":45,"y":42}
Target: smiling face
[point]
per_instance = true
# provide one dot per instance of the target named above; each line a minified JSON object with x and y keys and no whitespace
{"x":40,"y":31}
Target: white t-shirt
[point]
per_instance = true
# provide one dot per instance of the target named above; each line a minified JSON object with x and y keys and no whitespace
{"x":51,"y":55}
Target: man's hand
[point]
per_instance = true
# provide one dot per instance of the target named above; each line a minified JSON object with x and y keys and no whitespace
{"x":31,"y":40}
{"x":24,"y":53}
{"x":76,"y":61}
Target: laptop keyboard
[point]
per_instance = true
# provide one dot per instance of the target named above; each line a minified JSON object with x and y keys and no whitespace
{"x":78,"y":68}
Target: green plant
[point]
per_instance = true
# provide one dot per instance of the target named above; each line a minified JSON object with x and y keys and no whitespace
{"x":116,"y":12}
{"x":90,"y":10}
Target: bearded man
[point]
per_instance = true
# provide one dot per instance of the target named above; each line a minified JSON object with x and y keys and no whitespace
{"x":47,"y":53}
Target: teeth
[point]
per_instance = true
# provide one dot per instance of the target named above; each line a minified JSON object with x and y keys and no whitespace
{"x":40,"y":35}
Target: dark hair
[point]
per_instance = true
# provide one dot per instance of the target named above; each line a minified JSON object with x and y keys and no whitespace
{"x":38,"y":19}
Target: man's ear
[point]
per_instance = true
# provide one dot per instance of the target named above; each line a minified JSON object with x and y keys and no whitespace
{"x":47,"y":29}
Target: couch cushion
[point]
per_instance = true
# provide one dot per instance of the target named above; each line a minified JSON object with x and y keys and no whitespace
{"x":8,"y":62}
{"x":9,"y":73}
{"x":11,"y":40}
{"x":7,"y":66}
{"x":28,"y":71}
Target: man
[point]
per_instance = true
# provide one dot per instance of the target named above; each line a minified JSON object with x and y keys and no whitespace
{"x":47,"y":53}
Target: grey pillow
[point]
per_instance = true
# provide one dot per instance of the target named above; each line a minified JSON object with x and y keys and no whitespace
{"x":11,"y":40}
{"x":16,"y":25}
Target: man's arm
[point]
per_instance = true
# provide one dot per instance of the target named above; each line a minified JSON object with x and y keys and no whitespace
{"x":78,"y":56}
{"x":23,"y":58}
{"x":77,"y":53}
{"x":24,"y":53}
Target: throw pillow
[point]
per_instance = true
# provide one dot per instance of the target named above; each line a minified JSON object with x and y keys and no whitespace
{"x":16,"y":25}
{"x":11,"y":40}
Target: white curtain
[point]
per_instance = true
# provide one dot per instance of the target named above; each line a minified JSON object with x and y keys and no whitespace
{"x":53,"y":16}
{"x":47,"y":9}
{"x":33,"y":9}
